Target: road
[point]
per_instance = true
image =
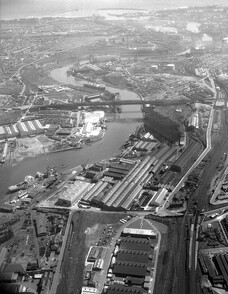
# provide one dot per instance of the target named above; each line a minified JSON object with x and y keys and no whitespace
{"x":57,"y":275}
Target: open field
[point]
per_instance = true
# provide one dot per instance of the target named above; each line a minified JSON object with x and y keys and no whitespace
{"x":29,"y":147}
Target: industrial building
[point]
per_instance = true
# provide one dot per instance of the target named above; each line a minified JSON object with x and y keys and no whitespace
{"x":29,"y":128}
{"x":73,"y":193}
{"x":88,"y":290}
{"x":12,"y":288}
{"x":41,"y":225}
{"x":115,"y":289}
{"x":145,"y":146}
{"x":159,"y":197}
{"x":9,"y":277}
{"x":130,"y":176}
{"x":132,"y":261}
{"x":7,"y":132}
{"x":3,"y":255}
{"x":215,"y":268}
{"x":94,"y":253}
{"x":14,"y":268}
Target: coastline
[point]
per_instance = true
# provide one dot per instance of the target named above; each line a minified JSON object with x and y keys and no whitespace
{"x":6,"y":14}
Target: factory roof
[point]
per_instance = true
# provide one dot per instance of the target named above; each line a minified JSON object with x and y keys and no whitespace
{"x":88,"y":290}
{"x":2,"y":131}
{"x":129,"y":255}
{"x":3,"y":255}
{"x":132,"y":231}
{"x":41,"y":225}
{"x":129,"y":269}
{"x":120,"y":166}
{"x":138,"y":244}
{"x":14,"y":267}
{"x":9,"y":276}
{"x":116,"y":289}
{"x":74,"y":191}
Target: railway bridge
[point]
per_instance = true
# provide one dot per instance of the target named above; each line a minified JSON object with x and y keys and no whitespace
{"x":114,"y":103}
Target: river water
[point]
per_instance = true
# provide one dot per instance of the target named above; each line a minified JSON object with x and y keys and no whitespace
{"x":116,"y":134}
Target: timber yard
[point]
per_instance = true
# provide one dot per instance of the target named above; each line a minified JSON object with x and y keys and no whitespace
{"x":153,"y":217}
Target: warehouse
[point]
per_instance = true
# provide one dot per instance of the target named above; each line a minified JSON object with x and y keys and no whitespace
{"x":142,"y":233}
{"x":23,"y":131}
{"x":113,"y":175}
{"x":3,"y":255}
{"x":8,"y":277}
{"x":14,"y":268}
{"x":2,"y":133}
{"x":221,"y":265}
{"x":159,"y":197}
{"x":73,"y":193}
{"x":120,"y":166}
{"x":138,"y":244}
{"x":132,"y":260}
{"x":123,"y":269}
{"x":116,"y":289}
{"x":41,"y":224}
{"x":12,"y":288}
{"x":88,"y":290}
{"x":88,"y":196}
{"x":162,"y":152}
{"x":118,"y":171}
{"x":29,"y":128}
{"x":94,"y":254}
{"x":137,"y":256}
{"x":7,"y":132}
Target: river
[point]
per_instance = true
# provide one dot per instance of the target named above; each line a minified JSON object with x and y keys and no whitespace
{"x":116,"y":134}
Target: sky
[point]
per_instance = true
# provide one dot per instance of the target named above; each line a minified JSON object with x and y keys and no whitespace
{"x":25,"y":8}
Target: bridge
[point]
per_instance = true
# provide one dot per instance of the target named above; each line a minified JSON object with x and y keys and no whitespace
{"x":114,"y":103}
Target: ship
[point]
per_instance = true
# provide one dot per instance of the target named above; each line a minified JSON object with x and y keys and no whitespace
{"x":94,"y":86}
{"x":15,"y":188}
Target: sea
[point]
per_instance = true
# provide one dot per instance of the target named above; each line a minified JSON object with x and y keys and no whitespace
{"x":14,"y":9}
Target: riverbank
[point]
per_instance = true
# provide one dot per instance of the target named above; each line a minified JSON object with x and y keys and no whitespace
{"x":119,"y":129}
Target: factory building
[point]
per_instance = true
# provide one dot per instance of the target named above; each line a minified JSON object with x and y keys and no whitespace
{"x":7,"y":132}
{"x":9,"y":277}
{"x":29,"y":128}
{"x":14,"y":268}
{"x":41,"y":225}
{"x":12,"y":288}
{"x":3,"y":255}
{"x":144,"y":145}
{"x":88,"y":290}
{"x":73,"y":193}
{"x":132,"y":261}
{"x":123,"y":193}
{"x":117,"y":288}
{"x":142,"y":233}
{"x":159,"y":197}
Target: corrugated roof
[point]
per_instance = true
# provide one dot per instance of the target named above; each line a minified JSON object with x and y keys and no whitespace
{"x":14,"y":267}
{"x":2,"y":130}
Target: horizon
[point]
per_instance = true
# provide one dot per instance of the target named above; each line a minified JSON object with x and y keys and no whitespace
{"x":10,"y":9}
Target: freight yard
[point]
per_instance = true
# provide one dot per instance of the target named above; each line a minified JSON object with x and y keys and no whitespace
{"x":152,"y":218}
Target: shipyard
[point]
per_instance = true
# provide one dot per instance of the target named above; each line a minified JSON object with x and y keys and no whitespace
{"x":113,"y":152}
